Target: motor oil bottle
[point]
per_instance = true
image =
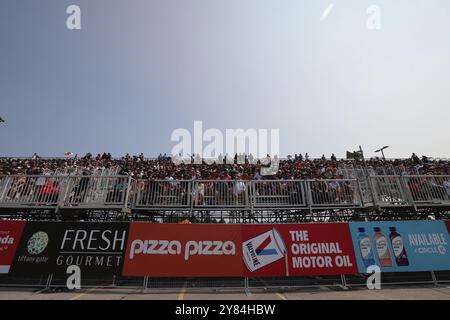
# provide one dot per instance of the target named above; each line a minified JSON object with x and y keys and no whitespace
{"x":365,"y":247}
{"x":401,"y":257}
{"x":382,"y":248}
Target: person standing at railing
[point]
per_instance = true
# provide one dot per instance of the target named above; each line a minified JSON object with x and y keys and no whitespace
{"x":238,"y":189}
{"x":335,"y":190}
{"x":198,"y":193}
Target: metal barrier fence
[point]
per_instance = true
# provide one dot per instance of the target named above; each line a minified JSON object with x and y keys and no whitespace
{"x":96,"y":192}
{"x":220,"y":194}
{"x":429,"y":189}
{"x":124,"y":193}
{"x":333,"y":193}
{"x":415,"y":191}
{"x":193,"y":284}
{"x":389,"y":191}
{"x":278,"y":194}
{"x":36,"y":191}
{"x":162,"y":193}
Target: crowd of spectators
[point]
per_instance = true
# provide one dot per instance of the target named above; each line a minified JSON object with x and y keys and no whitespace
{"x":241,"y":167}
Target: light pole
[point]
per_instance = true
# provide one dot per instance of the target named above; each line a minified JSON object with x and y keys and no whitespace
{"x":381,"y":150}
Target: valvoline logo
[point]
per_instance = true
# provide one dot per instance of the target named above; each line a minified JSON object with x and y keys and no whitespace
{"x":262,"y":249}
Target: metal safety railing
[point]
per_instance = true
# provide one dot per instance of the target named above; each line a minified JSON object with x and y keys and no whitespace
{"x":276,"y":194}
{"x":97,"y":191}
{"x":413,"y":190}
{"x":37,"y":191}
{"x":147,"y":284}
{"x":220,"y":193}
{"x":428,"y":189}
{"x":123,"y":192}
{"x":389,"y":191}
{"x":162,"y":193}
{"x":333,"y":193}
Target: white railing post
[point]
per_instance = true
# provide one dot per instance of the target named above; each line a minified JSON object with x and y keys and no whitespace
{"x":63,"y":195}
{"x":5,"y":188}
{"x":309,"y":199}
{"x":361,"y":196}
{"x":252,"y":196}
{"x":127,"y":195}
{"x":192,"y":188}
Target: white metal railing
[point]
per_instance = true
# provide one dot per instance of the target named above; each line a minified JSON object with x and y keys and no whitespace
{"x":103,"y":192}
{"x":162,"y":193}
{"x":389,"y":191}
{"x":413,"y":190}
{"x":31,"y":190}
{"x":326,"y":193}
{"x":220,"y":193}
{"x":366,"y":192}
{"x":276,"y":193}
{"x":429,"y":189}
{"x":96,"y":191}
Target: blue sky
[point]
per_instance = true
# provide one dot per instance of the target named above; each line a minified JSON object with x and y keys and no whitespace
{"x":137,"y":70}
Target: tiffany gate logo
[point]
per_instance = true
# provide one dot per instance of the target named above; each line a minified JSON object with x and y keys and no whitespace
{"x":232,"y":146}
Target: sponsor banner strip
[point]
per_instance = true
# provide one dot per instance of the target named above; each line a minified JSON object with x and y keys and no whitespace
{"x":50,"y":247}
{"x":10,"y":235}
{"x":399,"y":246}
{"x":223,"y":250}
{"x":239,"y":250}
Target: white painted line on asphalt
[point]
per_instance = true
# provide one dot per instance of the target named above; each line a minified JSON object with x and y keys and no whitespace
{"x":39,"y":291}
{"x":278,"y":294}
{"x":182,"y":292}
{"x":281,"y":296}
{"x":82,"y":294}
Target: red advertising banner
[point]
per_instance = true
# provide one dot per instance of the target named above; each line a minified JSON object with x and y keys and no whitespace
{"x":183,"y":250}
{"x":298,"y":250}
{"x":10,"y":234}
{"x":239,"y":250}
{"x":447,"y":223}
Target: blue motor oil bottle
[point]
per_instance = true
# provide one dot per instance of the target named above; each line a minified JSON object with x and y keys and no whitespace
{"x":365,"y":247}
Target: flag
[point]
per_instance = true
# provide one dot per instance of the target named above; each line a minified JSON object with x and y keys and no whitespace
{"x":68,"y":154}
{"x":356,"y":155}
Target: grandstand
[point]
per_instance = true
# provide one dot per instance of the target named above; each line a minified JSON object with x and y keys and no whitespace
{"x":38,"y":191}
{"x":303,"y":190}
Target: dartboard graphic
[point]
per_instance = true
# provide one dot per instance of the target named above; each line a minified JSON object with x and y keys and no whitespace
{"x":37,"y":243}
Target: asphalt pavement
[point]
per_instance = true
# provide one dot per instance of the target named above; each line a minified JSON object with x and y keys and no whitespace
{"x":441,"y":292}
